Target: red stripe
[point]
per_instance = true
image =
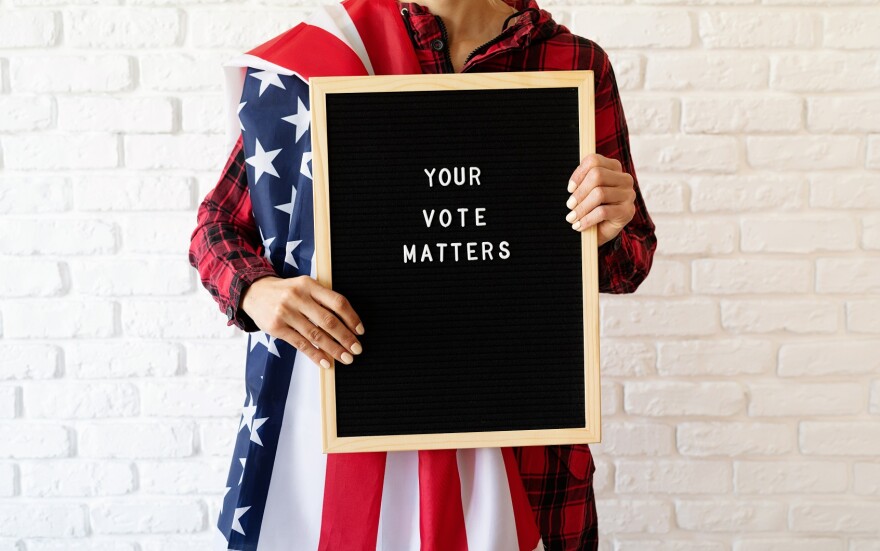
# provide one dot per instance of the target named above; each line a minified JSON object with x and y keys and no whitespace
{"x":352,"y":500}
{"x":527,"y":532}
{"x":441,"y":518}
{"x":287,"y":50}
{"x":384,"y":34}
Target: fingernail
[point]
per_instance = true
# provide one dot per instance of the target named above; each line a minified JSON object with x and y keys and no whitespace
{"x":571,"y":202}
{"x":571,"y":186}
{"x":360,"y":329}
{"x":325,"y":364}
{"x":570,"y":217}
{"x":576,"y":225}
{"x":347,"y":358}
{"x":356,"y":348}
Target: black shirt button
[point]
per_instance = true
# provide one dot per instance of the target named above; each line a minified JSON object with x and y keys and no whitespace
{"x":616,"y":244}
{"x":229,"y":313}
{"x":437,"y":44}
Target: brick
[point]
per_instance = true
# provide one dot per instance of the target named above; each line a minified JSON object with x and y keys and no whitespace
{"x":24,"y":193}
{"x":626,"y":358}
{"x":727,"y":115}
{"x":649,"y":115}
{"x":789,"y":544}
{"x":137,"y":439}
{"x":216,"y":438}
{"x":834,"y":516}
{"x":669,"y":545}
{"x":148,"y":516}
{"x":854,"y":191}
{"x":871,"y":232}
{"x":192,"y":398}
{"x":741,"y":275}
{"x":790,"y":477}
{"x":861,"y":316}
{"x":180,"y":477}
{"x":187,"y":151}
{"x":223,"y":359}
{"x":23,"y":440}
{"x":8,"y":403}
{"x":76,"y":478}
{"x":667,"y":278}
{"x":611,"y":400}
{"x":627,"y":69}
{"x":182,"y":72}
{"x":840,"y":438}
{"x":104,"y":192}
{"x":54,"y":319}
{"x":179,"y":319}
{"x":123,"y":27}
{"x":843,"y":115}
{"x":28,"y":28}
{"x":8,"y":476}
{"x":634,"y":28}
{"x":203,"y":114}
{"x":814,"y":152}
{"x":798,"y":233}
{"x":706,"y":71}
{"x":20,"y":361}
{"x":23,"y":113}
{"x":864,"y":545}
{"x":852,"y":357}
{"x":80,"y":400}
{"x":69,"y":73}
{"x":668,"y":398}
{"x":874,"y":406}
{"x":115,"y":276}
{"x":673,"y":477}
{"x":683,"y":153}
{"x":238,"y":28}
{"x":85,"y":544}
{"x":851,"y":29}
{"x":659,"y":317}
{"x":873,"y":160}
{"x":756,"y":29}
{"x":867,"y":479}
{"x":635,"y":439}
{"x":633,"y":516}
{"x":848,"y":275}
{"x":119,"y":358}
{"x":809,"y":72}
{"x":61,"y":151}
{"x":664,"y":195}
{"x":694,"y":236}
{"x":702,"y":439}
{"x":30,"y":277}
{"x":164,"y":233}
{"x":769,"y":315}
{"x":46,"y":519}
{"x":806,"y":399}
{"x":729,"y":357}
{"x":721,"y":515}
{"x":115,"y":114}
{"x":747,"y":193}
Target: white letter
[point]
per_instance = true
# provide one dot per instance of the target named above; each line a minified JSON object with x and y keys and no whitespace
{"x":479,"y":216}
{"x":441,"y":246}
{"x":409,"y":254}
{"x":448,"y":218}
{"x":427,"y":252}
{"x":455,"y":174}
{"x":472,"y":254}
{"x":504,"y":254}
{"x":440,"y":177}
{"x":428,"y":218}
{"x":475,"y":176}
{"x":487,"y":250}
{"x":430,"y":176}
{"x":456,"y":246}
{"x":462,"y":210}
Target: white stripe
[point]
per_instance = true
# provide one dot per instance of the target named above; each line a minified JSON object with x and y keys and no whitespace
{"x":296,"y":492}
{"x":399,"y":513}
{"x":485,"y":497}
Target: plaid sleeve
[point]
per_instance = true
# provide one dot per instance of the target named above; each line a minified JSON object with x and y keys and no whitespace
{"x":225,"y":245}
{"x":624,"y":262}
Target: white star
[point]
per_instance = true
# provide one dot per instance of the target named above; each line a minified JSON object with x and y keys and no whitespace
{"x":262,"y":162}
{"x":288,"y":207}
{"x":268,"y":78}
{"x":257,"y":424}
{"x":226,"y":493}
{"x":247,"y":414}
{"x":288,"y":258}
{"x":240,"y":107}
{"x":236,"y":523}
{"x":267,"y":340}
{"x":300,"y":120}
{"x":243,"y":461}
{"x":304,"y":166}
{"x":266,"y":242}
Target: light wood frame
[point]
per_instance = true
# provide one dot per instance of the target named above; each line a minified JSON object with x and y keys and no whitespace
{"x":319,"y":87}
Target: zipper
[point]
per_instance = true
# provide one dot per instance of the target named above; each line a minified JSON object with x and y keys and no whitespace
{"x":446,"y":57}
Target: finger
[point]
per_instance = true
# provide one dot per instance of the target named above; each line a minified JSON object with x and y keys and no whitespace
{"x":601,"y":195}
{"x":298,"y":341}
{"x":321,"y":339}
{"x":601,"y":213}
{"x":327,"y":320}
{"x":340,"y":305}
{"x":598,"y":177}
{"x":589,"y":162}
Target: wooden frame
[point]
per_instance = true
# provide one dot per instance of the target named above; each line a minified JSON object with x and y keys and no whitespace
{"x":583,"y":81}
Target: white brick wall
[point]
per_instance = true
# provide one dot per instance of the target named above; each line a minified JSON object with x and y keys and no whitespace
{"x":741,"y":381}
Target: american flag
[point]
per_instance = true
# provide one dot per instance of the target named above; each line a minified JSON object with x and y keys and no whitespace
{"x":282,"y":492}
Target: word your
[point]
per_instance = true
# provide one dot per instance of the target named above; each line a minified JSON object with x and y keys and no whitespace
{"x":456,"y":176}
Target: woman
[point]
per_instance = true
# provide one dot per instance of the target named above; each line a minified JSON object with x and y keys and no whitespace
{"x":445,"y":36}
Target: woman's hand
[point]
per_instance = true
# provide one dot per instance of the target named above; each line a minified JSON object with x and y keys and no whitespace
{"x":299,"y":310}
{"x":603,"y":194}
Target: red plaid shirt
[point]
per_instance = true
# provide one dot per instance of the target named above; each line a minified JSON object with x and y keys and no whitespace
{"x":226,"y":249}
